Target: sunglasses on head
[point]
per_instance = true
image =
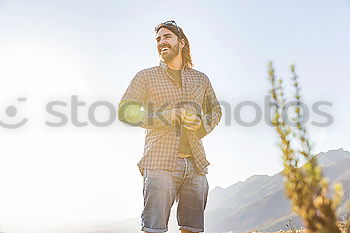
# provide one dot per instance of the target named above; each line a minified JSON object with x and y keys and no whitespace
{"x":167,"y":23}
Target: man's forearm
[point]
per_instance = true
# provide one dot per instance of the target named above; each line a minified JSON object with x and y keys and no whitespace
{"x":130,"y":112}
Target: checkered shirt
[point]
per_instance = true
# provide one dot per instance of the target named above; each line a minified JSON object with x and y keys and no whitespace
{"x":157,"y":92}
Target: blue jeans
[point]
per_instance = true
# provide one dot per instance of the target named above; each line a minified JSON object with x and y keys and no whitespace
{"x":161,"y":188}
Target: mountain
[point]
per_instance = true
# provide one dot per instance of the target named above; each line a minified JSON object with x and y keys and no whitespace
{"x":259,"y":202}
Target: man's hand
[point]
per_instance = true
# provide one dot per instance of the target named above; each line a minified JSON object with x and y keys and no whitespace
{"x":178,"y":115}
{"x":192,"y":122}
{"x":175,"y":115}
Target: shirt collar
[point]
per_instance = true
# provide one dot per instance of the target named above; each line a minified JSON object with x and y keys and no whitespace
{"x":165,"y":67}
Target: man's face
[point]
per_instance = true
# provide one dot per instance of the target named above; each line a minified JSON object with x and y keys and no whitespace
{"x":167,"y":44}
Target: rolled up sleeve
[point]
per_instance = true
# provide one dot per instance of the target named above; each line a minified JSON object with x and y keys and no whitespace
{"x":211,"y":112}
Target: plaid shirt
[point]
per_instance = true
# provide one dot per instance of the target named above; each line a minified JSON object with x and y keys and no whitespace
{"x":156,"y":91}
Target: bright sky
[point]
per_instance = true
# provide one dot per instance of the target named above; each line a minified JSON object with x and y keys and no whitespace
{"x":50,"y":51}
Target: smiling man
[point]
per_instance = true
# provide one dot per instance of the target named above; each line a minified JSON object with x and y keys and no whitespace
{"x":179,"y":108}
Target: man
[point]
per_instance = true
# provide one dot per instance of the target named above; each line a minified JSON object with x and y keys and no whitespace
{"x":179,"y":108}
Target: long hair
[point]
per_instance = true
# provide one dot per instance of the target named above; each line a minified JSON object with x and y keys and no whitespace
{"x":186,"y":52}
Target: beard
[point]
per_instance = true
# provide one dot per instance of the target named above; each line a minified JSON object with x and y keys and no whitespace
{"x":173,"y":52}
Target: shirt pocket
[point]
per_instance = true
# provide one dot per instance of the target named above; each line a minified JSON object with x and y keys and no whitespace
{"x":197,"y":90}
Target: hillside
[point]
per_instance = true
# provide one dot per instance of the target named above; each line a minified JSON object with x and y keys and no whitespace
{"x":259,"y":202}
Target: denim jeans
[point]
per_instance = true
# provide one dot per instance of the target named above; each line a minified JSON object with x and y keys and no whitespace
{"x":161,"y":188}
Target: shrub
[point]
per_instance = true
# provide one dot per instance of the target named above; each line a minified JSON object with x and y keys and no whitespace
{"x":305,"y":185}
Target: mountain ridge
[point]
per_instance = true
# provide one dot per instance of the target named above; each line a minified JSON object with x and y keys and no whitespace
{"x":261,"y":199}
